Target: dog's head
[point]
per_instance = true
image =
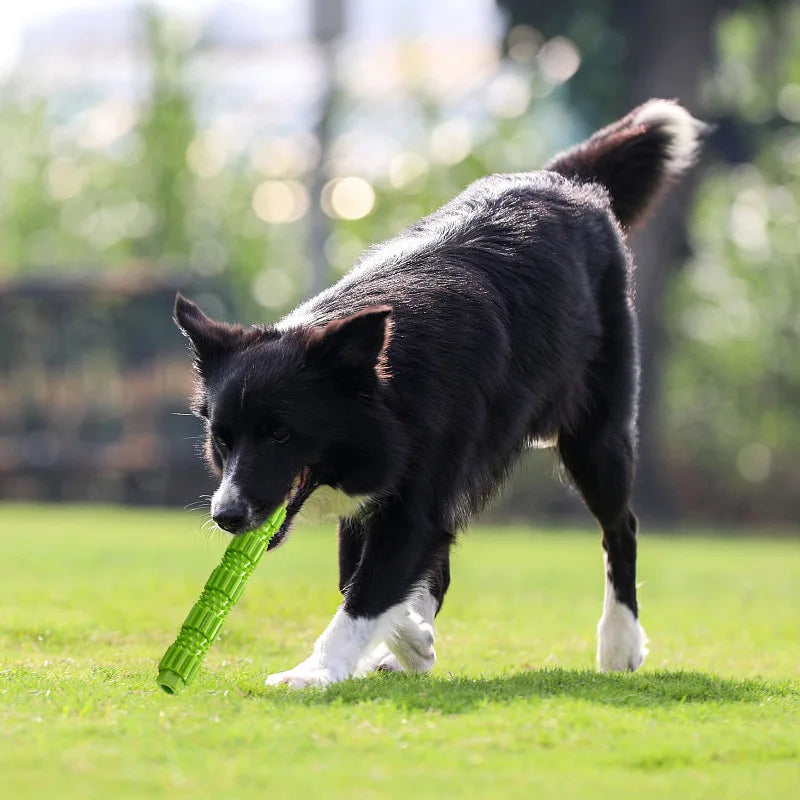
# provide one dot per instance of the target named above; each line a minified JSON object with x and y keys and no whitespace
{"x":288,"y":410}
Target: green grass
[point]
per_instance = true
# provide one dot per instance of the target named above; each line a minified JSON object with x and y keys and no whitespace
{"x":514,"y":708}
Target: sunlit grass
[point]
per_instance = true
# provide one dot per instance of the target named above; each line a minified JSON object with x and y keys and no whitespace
{"x":91,"y":598}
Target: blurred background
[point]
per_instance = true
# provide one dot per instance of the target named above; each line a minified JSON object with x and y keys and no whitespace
{"x":247,"y":152}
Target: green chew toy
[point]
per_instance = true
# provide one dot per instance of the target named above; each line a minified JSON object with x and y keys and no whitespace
{"x":223,"y":589}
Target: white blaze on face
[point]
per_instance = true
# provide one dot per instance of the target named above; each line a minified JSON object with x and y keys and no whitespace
{"x":227,"y":493}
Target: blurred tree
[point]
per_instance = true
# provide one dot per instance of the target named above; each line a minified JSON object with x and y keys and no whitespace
{"x":733,"y":385}
{"x":670,"y":48}
{"x":723,"y":416}
{"x":166,"y":128}
{"x":327,"y":25}
{"x":604,"y":49}
{"x":29,"y":216}
{"x":633,"y":50}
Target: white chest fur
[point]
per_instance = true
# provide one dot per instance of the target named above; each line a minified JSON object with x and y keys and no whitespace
{"x":328,"y":503}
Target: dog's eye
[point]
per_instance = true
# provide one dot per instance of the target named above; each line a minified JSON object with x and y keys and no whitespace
{"x":277,"y":434}
{"x":221,"y":444}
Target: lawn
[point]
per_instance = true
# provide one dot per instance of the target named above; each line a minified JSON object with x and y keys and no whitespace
{"x":514,"y":708}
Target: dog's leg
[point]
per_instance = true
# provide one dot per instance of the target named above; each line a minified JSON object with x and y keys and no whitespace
{"x":351,"y":546}
{"x":381,"y":659}
{"x":413,"y":637}
{"x":393,"y":561}
{"x":622,"y":642}
{"x":337,"y":651}
{"x":599,"y":450}
{"x":410,"y":645}
{"x":602,"y":467}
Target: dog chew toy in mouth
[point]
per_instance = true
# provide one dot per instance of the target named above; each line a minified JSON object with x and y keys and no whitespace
{"x":223,"y":589}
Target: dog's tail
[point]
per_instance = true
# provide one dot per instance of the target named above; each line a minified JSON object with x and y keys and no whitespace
{"x":635,"y":157}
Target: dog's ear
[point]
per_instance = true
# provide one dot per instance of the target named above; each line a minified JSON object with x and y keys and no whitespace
{"x":354,"y":345}
{"x":210,"y":340}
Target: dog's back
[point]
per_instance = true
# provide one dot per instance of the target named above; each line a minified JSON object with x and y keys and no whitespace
{"x":502,"y":299}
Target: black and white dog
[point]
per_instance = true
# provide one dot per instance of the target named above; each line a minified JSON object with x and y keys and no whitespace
{"x":502,"y":320}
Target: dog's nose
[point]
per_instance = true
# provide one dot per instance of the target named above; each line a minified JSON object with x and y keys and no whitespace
{"x":231,"y":518}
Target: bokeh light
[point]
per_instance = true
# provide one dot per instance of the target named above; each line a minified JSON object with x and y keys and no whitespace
{"x":348,"y":198}
{"x":558,"y":59}
{"x":280,"y":201}
{"x":451,"y":141}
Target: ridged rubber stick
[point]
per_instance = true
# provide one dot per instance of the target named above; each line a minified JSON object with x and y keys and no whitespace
{"x":224,"y":587}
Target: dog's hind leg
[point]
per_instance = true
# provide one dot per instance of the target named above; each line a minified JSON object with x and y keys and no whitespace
{"x":599,"y":453}
{"x":601,"y":461}
{"x":601,"y":464}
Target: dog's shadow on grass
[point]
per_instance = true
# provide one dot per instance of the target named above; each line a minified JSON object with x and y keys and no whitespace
{"x":454,"y":694}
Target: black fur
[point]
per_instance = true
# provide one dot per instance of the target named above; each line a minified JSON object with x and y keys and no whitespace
{"x":505,"y":316}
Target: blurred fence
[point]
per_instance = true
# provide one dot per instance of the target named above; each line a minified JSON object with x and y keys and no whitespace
{"x":94,"y":383}
{"x":94,"y":378}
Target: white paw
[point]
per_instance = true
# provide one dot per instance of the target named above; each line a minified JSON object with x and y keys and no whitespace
{"x":622,"y":642}
{"x":412,"y":643}
{"x":381,"y":659}
{"x":389,"y":664}
{"x":303,"y":677}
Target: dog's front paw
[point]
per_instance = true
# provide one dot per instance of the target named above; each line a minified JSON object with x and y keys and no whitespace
{"x":412,"y":643}
{"x":301,"y":679}
{"x":389,"y":663}
{"x":381,"y":659}
{"x":303,"y":676}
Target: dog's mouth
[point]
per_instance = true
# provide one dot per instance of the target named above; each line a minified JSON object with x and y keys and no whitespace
{"x":299,"y":486}
{"x":302,"y":488}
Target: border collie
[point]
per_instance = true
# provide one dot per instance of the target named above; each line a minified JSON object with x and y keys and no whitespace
{"x":502,"y":320}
